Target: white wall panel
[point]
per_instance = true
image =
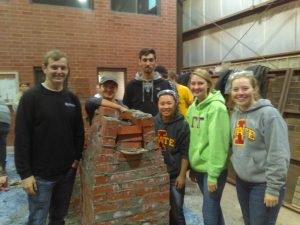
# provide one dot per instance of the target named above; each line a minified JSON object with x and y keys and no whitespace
{"x":197,"y":13}
{"x":197,"y":51}
{"x":254,"y":38}
{"x":212,"y":10}
{"x":280,"y":30}
{"x":228,"y":7}
{"x":230,"y":36}
{"x":186,"y":15}
{"x":212,"y":47}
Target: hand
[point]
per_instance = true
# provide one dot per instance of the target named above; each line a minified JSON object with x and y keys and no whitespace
{"x":211,"y":186}
{"x":270,"y":200}
{"x":123,"y":109}
{"x":180,"y":182}
{"x":75,"y":164}
{"x":192,"y":176}
{"x":29,"y":185}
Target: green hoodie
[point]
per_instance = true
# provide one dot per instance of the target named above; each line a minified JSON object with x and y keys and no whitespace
{"x":210,"y":135}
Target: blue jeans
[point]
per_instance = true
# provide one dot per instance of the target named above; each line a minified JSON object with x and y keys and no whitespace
{"x":53,"y":197}
{"x":211,"y":208}
{"x":251,"y":199}
{"x":4,"y":129}
{"x":176,"y":202}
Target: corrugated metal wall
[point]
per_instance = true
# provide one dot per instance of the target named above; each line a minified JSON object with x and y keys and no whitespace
{"x":274,"y":31}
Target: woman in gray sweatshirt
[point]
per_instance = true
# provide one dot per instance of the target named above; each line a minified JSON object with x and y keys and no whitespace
{"x":4,"y":128}
{"x":261,"y":152}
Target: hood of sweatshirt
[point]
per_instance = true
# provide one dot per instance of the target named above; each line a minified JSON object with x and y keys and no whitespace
{"x":147,"y":85}
{"x":212,"y":96}
{"x":257,"y":105}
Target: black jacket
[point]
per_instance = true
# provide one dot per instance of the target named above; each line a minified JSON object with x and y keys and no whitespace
{"x":142,"y":95}
{"x":49,"y":133}
{"x":173,"y":139}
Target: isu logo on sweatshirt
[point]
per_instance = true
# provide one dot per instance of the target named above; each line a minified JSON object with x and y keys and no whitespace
{"x":163,"y":140}
{"x":241,"y":131}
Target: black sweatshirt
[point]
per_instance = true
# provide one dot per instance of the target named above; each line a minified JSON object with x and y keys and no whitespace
{"x":137,"y":96}
{"x":49,"y":133}
{"x":173,"y":139}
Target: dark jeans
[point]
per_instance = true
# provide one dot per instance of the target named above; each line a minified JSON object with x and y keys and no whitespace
{"x":176,"y":201}
{"x":251,"y":199}
{"x":53,"y":197}
{"x":4,"y":129}
{"x":211,"y":208}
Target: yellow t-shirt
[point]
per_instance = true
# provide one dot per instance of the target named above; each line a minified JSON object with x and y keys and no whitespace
{"x":185,"y":98}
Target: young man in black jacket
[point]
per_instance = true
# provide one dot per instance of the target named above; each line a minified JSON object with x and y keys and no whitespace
{"x":49,"y":138}
{"x":141,"y":93}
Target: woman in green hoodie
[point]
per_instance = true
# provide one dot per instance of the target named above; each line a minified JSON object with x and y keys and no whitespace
{"x":209,"y":143}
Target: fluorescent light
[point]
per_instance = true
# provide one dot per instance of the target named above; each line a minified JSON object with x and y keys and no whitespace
{"x":82,"y":1}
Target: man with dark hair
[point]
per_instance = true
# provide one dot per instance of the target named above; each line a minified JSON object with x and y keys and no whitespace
{"x":141,"y":93}
{"x":49,"y":140}
{"x":162,"y":71}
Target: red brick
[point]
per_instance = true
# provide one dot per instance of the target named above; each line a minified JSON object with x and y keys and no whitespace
{"x":101,"y":179}
{"x":129,"y":144}
{"x":108,"y":141}
{"x":105,"y":168}
{"x":103,"y":189}
{"x":106,"y":207}
{"x":127,"y":115}
{"x":130,"y":137}
{"x":104,"y":158}
{"x":134,"y":129}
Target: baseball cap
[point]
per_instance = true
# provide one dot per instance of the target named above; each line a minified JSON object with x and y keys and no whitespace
{"x":106,"y":78}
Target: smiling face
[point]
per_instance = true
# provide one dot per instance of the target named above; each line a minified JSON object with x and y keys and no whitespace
{"x":199,"y":87}
{"x":243,"y":93}
{"x":166,"y":107}
{"x":56,"y":72}
{"x":108,"y":90}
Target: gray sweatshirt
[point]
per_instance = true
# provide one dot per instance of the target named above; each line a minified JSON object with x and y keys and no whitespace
{"x":260,"y":145}
{"x":4,"y":112}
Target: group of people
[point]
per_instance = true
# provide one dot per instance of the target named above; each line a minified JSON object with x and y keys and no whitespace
{"x":194,"y":133}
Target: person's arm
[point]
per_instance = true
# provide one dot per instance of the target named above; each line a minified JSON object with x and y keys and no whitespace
{"x":23,"y":137}
{"x":184,"y":142}
{"x":278,"y":156}
{"x":127,"y":96}
{"x":180,"y":180}
{"x":113,"y":105}
{"x":218,"y":137}
{"x":78,"y":133}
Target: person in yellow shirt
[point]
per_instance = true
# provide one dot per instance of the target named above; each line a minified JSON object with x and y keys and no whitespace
{"x":184,"y":94}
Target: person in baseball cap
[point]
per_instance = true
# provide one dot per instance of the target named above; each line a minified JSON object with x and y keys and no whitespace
{"x":108,"y":87}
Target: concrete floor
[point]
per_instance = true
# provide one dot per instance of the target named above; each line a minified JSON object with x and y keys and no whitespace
{"x":230,"y":206}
